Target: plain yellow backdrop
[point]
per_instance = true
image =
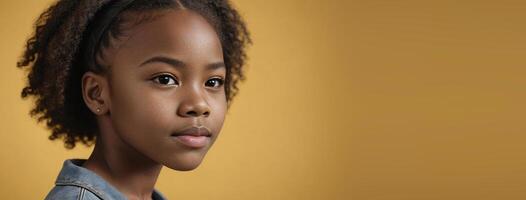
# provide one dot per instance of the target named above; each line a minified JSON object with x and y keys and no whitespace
{"x":358,"y":99}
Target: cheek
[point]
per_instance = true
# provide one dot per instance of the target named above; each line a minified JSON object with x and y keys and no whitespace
{"x":219,"y":108}
{"x":138,"y":109}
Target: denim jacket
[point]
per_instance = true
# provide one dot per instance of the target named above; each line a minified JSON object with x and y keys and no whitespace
{"x":78,"y":183}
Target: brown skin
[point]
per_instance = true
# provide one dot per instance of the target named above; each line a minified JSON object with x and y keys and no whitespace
{"x":139,"y":106}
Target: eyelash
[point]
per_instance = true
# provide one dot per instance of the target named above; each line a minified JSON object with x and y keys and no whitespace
{"x":157,"y":80}
{"x":173,"y":80}
{"x":221,"y":82}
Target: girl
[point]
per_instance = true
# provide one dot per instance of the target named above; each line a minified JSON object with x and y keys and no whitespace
{"x":147,"y":81}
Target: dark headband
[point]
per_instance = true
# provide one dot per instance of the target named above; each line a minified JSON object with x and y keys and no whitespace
{"x":98,"y":26}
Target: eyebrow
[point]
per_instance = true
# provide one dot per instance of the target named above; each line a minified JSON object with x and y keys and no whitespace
{"x":180,"y":64}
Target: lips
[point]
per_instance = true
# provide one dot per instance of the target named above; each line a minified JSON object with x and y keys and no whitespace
{"x":194,"y":131}
{"x":194,"y":137}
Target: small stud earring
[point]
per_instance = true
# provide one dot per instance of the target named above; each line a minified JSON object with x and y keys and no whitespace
{"x":98,"y":110}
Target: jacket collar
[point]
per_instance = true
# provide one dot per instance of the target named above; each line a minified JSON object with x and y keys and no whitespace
{"x":73,"y":174}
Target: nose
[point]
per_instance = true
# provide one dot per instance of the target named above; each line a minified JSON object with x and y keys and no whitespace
{"x":193,"y":105}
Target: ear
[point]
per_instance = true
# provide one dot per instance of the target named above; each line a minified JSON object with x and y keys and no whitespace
{"x":95,"y":91}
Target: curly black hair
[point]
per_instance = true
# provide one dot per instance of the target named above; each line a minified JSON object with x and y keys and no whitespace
{"x":71,"y":33}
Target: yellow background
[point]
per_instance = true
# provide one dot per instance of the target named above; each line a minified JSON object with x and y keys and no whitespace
{"x":361,"y":100}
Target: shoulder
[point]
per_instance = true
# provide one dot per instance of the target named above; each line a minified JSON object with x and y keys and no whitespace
{"x":76,"y":182}
{"x":70,"y":192}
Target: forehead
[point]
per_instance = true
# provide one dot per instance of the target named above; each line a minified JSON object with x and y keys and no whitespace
{"x":182,"y":34}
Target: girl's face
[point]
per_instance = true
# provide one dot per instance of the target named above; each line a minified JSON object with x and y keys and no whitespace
{"x":167,"y":79}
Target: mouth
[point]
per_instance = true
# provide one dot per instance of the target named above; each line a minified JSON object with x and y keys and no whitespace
{"x":193,"y":137}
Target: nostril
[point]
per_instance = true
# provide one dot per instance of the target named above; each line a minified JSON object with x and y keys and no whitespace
{"x":191,"y":113}
{"x":195,"y":114}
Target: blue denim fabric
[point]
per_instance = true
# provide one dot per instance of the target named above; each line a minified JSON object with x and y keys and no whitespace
{"x":75,"y":182}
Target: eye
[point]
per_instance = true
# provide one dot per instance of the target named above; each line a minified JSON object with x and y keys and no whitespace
{"x":165,"y":79}
{"x":214,"y":82}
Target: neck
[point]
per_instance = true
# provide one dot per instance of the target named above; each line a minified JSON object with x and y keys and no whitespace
{"x":132,"y":173}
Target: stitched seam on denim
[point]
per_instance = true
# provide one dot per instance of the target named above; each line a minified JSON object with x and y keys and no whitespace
{"x":83,"y":192}
{"x":86,"y":186}
{"x":80,"y":194}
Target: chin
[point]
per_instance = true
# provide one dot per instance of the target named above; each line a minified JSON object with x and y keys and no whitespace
{"x":184,"y":168}
{"x":184,"y":163}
